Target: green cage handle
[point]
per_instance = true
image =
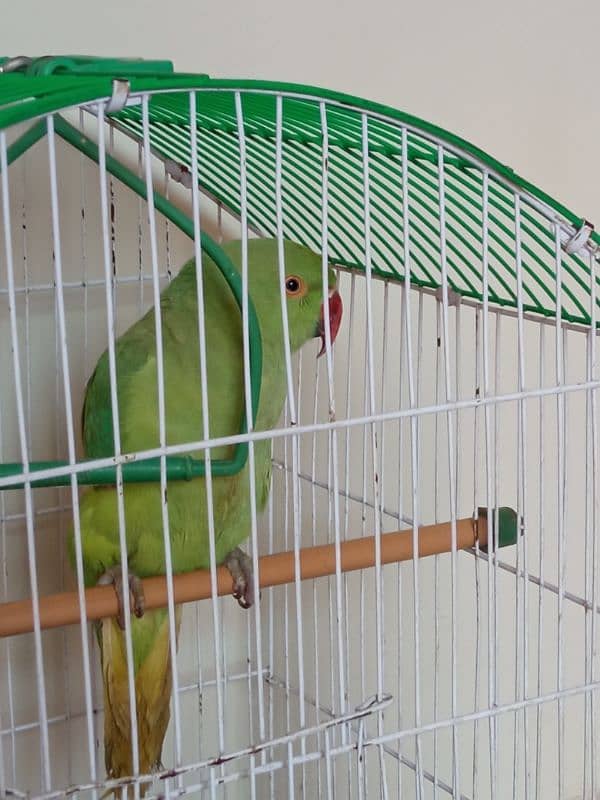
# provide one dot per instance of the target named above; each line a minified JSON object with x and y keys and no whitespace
{"x":148,"y":470}
{"x":86,"y":65}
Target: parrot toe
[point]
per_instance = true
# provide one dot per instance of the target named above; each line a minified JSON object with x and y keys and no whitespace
{"x":114,"y":577}
{"x":239,"y":565}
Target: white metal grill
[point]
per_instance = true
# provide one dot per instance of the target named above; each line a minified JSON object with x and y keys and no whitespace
{"x":457,"y":675}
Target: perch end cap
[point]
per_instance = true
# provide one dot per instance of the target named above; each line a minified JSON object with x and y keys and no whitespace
{"x":508,"y":527}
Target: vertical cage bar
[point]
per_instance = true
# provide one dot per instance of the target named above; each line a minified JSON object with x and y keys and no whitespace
{"x":110,"y":324}
{"x":29,"y":520}
{"x":414,"y":460}
{"x":162,"y":428}
{"x":66,"y":375}
{"x":450,"y":427}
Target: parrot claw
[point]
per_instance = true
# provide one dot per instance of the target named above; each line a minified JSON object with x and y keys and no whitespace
{"x":239,"y":565}
{"x":136,"y":592}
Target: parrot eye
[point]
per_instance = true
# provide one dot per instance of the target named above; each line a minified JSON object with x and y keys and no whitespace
{"x":295,"y":286}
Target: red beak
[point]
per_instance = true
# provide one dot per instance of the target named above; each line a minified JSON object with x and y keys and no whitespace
{"x":335,"y":319}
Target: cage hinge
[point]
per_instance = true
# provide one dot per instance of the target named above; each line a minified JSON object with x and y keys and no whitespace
{"x":179,"y":172}
{"x":119,"y":97}
{"x":454,"y":297}
{"x":579,"y":239}
{"x":15,"y":64}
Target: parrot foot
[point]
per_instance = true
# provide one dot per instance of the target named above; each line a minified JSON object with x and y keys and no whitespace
{"x":239,"y":565}
{"x":114,"y":576}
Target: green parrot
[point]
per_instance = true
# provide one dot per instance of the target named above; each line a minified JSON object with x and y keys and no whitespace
{"x":187,"y":504}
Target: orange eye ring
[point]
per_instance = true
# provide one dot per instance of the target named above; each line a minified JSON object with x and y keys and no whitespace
{"x":295,"y":286}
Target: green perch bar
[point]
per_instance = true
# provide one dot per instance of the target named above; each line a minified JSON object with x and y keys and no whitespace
{"x":179,"y":468}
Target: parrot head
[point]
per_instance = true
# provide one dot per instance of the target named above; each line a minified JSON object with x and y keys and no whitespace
{"x":303,"y":285}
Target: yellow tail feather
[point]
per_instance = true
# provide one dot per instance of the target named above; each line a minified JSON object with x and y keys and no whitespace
{"x":153,"y":682}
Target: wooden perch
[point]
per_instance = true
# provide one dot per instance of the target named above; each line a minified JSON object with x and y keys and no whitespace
{"x":315,"y":562}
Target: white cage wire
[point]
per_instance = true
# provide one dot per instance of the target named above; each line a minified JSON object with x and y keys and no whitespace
{"x":465,"y":674}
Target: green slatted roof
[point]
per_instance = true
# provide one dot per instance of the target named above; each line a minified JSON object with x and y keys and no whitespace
{"x":23,"y":97}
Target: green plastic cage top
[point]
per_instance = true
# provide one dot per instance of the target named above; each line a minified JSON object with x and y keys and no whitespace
{"x":495,"y":222}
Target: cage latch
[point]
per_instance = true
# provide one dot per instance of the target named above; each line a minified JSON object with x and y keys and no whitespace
{"x":375,"y":703}
{"x":579,"y":239}
{"x":370,"y":705}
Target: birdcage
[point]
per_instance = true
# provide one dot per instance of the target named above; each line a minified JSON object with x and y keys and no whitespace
{"x":427,"y":623}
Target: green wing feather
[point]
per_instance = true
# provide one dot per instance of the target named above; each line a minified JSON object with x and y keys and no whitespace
{"x":135,"y":355}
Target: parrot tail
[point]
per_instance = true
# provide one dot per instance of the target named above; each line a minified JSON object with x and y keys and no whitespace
{"x":153,"y":680}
